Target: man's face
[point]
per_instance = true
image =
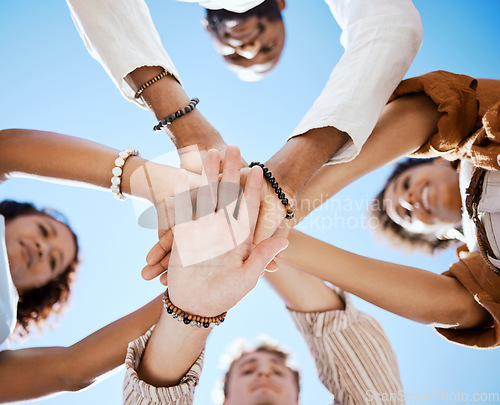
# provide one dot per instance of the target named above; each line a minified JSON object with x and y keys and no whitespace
{"x":261,"y":378}
{"x":251,"y":45}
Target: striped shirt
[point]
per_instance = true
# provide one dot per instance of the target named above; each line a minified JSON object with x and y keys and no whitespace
{"x":354,"y":359}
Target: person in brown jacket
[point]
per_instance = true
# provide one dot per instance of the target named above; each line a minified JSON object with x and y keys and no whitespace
{"x":453,"y":117}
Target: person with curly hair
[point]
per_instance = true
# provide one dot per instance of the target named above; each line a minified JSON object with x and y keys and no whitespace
{"x":437,"y":115}
{"x":39,"y":256}
{"x":42,"y":257}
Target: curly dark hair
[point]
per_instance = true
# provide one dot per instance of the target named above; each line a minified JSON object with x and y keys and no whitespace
{"x":37,"y":304}
{"x":396,"y":234}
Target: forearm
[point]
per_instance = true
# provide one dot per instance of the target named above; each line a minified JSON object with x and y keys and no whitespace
{"x":54,"y":156}
{"x":302,"y":291}
{"x":405,"y":125}
{"x":171,"y":351}
{"x":302,"y":156}
{"x":32,"y":373}
{"x":413,"y":293}
{"x":167,"y":96}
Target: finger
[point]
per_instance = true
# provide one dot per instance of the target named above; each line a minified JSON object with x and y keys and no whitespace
{"x":150,"y":272}
{"x":162,"y":247}
{"x":250,"y":203}
{"x":263,"y":254}
{"x":206,"y":199}
{"x":272,"y":266}
{"x":229,"y":187}
{"x":271,"y":215}
{"x":182,"y":200}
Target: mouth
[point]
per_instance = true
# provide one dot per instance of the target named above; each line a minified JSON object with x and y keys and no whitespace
{"x":425,"y":198}
{"x":265,"y":386}
{"x":27,"y":253}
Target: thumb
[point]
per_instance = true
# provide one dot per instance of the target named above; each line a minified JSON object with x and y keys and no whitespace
{"x":263,"y":253}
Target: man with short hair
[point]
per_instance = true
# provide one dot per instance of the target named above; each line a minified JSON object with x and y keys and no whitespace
{"x":250,"y":42}
{"x":260,"y":373}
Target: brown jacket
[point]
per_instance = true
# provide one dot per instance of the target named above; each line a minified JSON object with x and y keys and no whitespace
{"x":468,"y":129}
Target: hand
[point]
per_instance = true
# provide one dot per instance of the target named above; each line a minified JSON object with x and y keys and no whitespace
{"x":193,"y":156}
{"x":214,"y":263}
{"x":154,"y":182}
{"x":159,"y":256}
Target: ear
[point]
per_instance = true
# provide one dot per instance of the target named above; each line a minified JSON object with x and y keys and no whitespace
{"x":204,"y":23}
{"x":281,"y":4}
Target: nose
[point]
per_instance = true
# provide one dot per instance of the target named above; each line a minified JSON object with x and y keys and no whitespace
{"x":248,"y":50}
{"x":264,"y":372}
{"x":43,"y":249}
{"x":408,"y":201}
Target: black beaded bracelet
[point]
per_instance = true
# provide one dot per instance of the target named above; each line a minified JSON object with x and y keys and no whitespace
{"x":277,"y":189}
{"x":172,"y":117}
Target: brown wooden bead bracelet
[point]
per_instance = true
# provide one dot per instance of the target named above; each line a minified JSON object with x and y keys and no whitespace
{"x":189,"y":319}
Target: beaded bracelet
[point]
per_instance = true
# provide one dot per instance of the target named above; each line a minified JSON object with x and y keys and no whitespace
{"x":117,"y":171}
{"x":149,"y":83}
{"x":188,"y":319}
{"x":277,"y":189}
{"x":172,"y":117}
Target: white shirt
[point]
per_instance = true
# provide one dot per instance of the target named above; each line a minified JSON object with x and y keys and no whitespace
{"x":8,"y":293}
{"x":488,"y":209}
{"x":380,"y":37}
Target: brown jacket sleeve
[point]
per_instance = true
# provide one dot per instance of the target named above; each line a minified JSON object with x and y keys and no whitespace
{"x":469,"y":127}
{"x":474,"y":273}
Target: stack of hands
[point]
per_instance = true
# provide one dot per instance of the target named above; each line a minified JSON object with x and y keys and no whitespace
{"x":218,"y":245}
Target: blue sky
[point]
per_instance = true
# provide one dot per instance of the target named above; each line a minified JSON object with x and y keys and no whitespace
{"x":51,"y":83}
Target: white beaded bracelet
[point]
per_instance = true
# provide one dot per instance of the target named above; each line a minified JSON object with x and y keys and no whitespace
{"x":117,"y":171}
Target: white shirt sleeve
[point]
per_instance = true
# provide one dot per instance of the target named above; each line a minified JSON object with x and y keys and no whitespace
{"x":8,"y":293}
{"x":380,"y":38}
{"x":121,"y":36}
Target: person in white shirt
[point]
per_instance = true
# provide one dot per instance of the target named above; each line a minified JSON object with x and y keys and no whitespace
{"x":381,"y":38}
{"x":38,"y":258}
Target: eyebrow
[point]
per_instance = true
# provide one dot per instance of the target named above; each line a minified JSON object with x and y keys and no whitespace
{"x":253,"y":361}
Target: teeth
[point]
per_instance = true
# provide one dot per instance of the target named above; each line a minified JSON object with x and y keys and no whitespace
{"x":425,"y":198}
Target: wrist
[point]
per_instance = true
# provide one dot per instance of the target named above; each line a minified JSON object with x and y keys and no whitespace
{"x":192,"y":317}
{"x":302,"y":155}
{"x":165,"y":97}
{"x":148,"y":180}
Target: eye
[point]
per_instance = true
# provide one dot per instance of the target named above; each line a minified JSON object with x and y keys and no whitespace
{"x":247,"y":371}
{"x":406,"y":183}
{"x":268,"y":49}
{"x":52,"y":263}
{"x":407,"y":215}
{"x":232,"y":57}
{"x":43,"y":230}
{"x":278,"y":372}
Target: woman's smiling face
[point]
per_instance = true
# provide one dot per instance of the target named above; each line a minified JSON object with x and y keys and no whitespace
{"x":39,"y":248}
{"x":425,"y":198}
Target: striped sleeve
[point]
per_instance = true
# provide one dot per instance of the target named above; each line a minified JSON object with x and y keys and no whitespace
{"x":137,"y":392}
{"x":354,"y":358}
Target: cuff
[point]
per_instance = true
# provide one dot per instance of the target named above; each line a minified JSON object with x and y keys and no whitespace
{"x":136,"y":390}
{"x":318,"y":324}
